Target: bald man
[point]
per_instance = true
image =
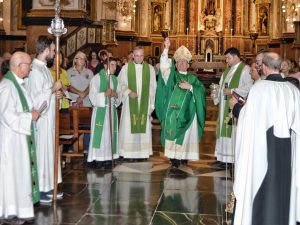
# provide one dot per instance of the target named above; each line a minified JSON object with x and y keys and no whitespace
{"x":19,"y":188}
{"x":267,"y":184}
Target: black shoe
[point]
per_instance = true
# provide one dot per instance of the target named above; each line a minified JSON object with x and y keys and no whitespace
{"x":107,"y":165}
{"x":175,"y":163}
{"x":99,"y":164}
{"x":218,"y":165}
{"x":184,"y":162}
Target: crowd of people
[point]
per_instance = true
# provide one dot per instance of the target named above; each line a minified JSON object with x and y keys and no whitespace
{"x":263,"y":145}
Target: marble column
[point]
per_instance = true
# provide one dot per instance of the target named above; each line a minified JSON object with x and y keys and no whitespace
{"x":192,"y":17}
{"x":276,"y":20}
{"x":181,"y":16}
{"x":227,"y":16}
{"x":238,"y":17}
{"x":143,"y":19}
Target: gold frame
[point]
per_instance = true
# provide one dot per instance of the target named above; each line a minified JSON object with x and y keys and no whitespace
{"x":261,"y":9}
{"x":161,"y":8}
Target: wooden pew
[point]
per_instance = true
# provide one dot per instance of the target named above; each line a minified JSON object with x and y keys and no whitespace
{"x":66,"y":133}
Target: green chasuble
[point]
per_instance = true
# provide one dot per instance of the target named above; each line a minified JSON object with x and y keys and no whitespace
{"x":139,"y":113}
{"x":30,"y":141}
{"x":101,"y":112}
{"x":176,"y":107}
{"x":226,"y":129}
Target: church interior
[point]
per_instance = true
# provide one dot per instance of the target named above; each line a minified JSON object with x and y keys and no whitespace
{"x":151,"y":191}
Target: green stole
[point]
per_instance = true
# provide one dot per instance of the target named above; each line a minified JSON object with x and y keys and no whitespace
{"x":30,"y":141}
{"x":101,"y":112}
{"x":139,"y":115}
{"x":226,"y":129}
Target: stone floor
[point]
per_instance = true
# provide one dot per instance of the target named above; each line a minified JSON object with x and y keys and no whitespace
{"x":140,"y":193}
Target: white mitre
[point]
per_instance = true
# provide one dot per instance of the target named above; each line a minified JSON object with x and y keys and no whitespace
{"x":182,"y":53}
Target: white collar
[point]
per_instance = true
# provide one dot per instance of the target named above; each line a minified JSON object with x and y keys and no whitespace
{"x":19,"y":80}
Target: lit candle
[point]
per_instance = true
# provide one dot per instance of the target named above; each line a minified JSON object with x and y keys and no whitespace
{"x":187,"y":36}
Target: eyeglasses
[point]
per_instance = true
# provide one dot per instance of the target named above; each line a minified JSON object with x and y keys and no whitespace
{"x":29,"y":64}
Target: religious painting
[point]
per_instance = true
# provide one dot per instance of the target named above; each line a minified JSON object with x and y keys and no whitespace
{"x":157,"y":17}
{"x":263,"y":18}
{"x":23,"y":8}
{"x":156,"y":49}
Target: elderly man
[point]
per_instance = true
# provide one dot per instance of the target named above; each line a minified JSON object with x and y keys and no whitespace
{"x":137,"y":82}
{"x":267,"y":184}
{"x":236,"y":78}
{"x":180,"y":106}
{"x":19,"y":186}
{"x":42,"y":89}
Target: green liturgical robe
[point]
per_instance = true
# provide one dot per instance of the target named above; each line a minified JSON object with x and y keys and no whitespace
{"x":181,"y":113}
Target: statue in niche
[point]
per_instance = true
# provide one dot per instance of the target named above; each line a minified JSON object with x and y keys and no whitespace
{"x":263,"y":20}
{"x":157,"y":18}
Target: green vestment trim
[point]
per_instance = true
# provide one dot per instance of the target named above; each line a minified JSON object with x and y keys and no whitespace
{"x":226,"y":129}
{"x":176,"y":107}
{"x":30,"y":142}
{"x":139,"y":115}
{"x":101,"y":112}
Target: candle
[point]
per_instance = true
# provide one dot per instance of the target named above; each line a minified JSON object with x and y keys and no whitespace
{"x":231,"y":30}
{"x":187,"y":36}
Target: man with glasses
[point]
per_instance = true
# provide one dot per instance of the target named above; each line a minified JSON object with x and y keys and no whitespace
{"x":42,"y":89}
{"x":137,"y":81}
{"x":19,"y":186}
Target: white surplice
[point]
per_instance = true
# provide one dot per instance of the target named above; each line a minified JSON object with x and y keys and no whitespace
{"x":269,"y":104}
{"x":224,"y":145}
{"x":15,"y":171}
{"x":40,"y":83}
{"x":97,"y":99}
{"x":189,"y":149}
{"x":135,"y":145}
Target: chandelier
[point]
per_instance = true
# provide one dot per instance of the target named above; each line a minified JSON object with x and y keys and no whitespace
{"x":291,"y":10}
{"x":126,"y":8}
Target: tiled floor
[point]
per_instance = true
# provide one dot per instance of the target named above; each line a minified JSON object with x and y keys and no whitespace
{"x":140,"y":193}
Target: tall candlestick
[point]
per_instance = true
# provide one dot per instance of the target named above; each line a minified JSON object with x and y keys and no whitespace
{"x":231,"y":30}
{"x":187,"y":36}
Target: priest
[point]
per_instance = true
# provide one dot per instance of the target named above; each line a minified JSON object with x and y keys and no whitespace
{"x":19,"y":186}
{"x":137,"y":82}
{"x":180,"y":106}
{"x":104,"y":139}
{"x":267,"y":183}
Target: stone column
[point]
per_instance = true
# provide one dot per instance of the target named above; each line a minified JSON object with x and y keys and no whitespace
{"x":144,"y":21}
{"x":227,"y":17}
{"x":192,"y":28}
{"x":181,"y":16}
{"x":238,"y":17}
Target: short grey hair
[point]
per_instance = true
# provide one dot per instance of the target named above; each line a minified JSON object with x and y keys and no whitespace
{"x":272,"y":60}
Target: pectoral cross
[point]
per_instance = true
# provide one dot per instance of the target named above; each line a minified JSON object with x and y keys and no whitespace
{"x":99,"y":124}
{"x":170,"y":132}
{"x":174,"y":106}
{"x":33,"y":172}
{"x":143,"y":119}
{"x":135,"y":119}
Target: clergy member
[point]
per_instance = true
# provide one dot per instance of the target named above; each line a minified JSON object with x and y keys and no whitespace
{"x":104,"y":139}
{"x":42,"y":88}
{"x":19,"y":186}
{"x":267,"y":182}
{"x":180,"y":106}
{"x":236,"y":77}
{"x":137,"y":82}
